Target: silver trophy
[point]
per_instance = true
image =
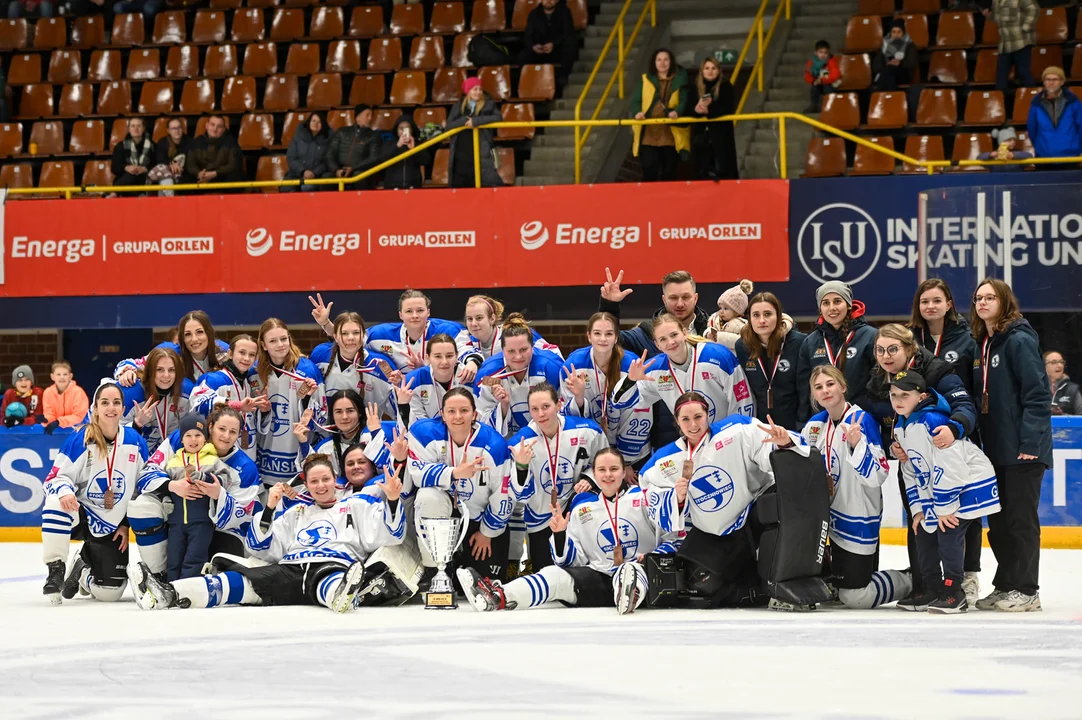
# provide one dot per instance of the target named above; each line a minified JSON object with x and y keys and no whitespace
{"x":442,"y":536}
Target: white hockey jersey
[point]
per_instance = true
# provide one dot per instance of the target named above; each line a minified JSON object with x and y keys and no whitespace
{"x":544,"y":367}
{"x":276,"y":446}
{"x":713,"y":371}
{"x":221,"y":386}
{"x":391,"y":339}
{"x":428,"y":394}
{"x":367,"y":379}
{"x":166,"y":416}
{"x":638,"y":517}
{"x":488,"y":495}
{"x":571,"y":452}
{"x":858,"y":475}
{"x":85,"y":473}
{"x":492,"y":347}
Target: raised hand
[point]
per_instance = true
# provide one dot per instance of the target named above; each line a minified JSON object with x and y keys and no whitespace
{"x":307,"y":388}
{"x":681,"y":489}
{"x":372,"y":417}
{"x":404,"y":392}
{"x":468,"y":468}
{"x":275,"y":495}
{"x":502,"y":397}
{"x":128,"y":378}
{"x":391,"y":482}
{"x":610,"y":289}
{"x":558,"y":523}
{"x":399,"y":448}
{"x":414,"y":360}
{"x":320,"y":313}
{"x":262,"y":402}
{"x":523,"y":452}
{"x":300,"y":428}
{"x":583,"y":486}
{"x":576,"y":383}
{"x":144,"y":412}
{"x":775,"y":434}
{"x":854,"y":433}
{"x":637,"y":371}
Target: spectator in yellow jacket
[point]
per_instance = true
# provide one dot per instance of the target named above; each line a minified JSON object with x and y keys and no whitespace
{"x":65,"y":402}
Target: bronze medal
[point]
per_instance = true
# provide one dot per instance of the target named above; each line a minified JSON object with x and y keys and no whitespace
{"x":110,"y":499}
{"x":490,"y":381}
{"x":689,"y":469}
{"x":618,"y":554}
{"x":770,"y":398}
{"x":385,"y":367}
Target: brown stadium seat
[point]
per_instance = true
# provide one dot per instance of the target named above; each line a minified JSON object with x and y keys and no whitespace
{"x":1044,"y":57}
{"x":506,"y":168}
{"x":488,"y":16}
{"x":408,"y":20}
{"x":11,"y":139}
{"x":537,"y":82}
{"x":289,"y":127}
{"x":97,"y":172}
{"x":144,"y":64}
{"x":841,"y":110}
{"x":870,"y":162}
{"x":127,"y":30}
{"x":826,"y":157}
{"x":938,"y":107}
{"x":119,"y":132}
{"x":256,"y":131}
{"x":88,"y":32}
{"x":448,"y":18}
{"x":48,"y":135}
{"x":226,"y":4}
{"x":985,"y":108}
{"x":201,"y":125}
{"x":864,"y":34}
{"x":384,"y":119}
{"x":238,"y":94}
{"x":424,"y":115}
{"x":156,"y":98}
{"x":439,"y":167}
{"x":579,"y":13}
{"x":87,"y":136}
{"x":856,"y":72}
{"x":114,"y":98}
{"x":288,"y":24}
{"x":182,"y":62}
{"x":1023,"y":98}
{"x":170,"y":28}
{"x":13,"y":34}
{"x":447,"y":85}
{"x":522,"y":11}
{"x":366,"y":21}
{"x":1078,"y":28}
{"x":197,"y":97}
{"x":956,"y":30}
{"x":261,"y":59}
{"x":325,"y":90}
{"x":36,"y":101}
{"x":221,"y":61}
{"x":408,"y":88}
{"x":339,"y":119}
{"x":272,"y":167}
{"x":887,"y":110}
{"x":873,"y":7}
{"x":104,"y":66}
{"x":76,"y":100}
{"x":990,"y":34}
{"x":968,"y":146}
{"x":916,"y":26}
{"x":281,"y":93}
{"x":161,"y":128}
{"x":25,"y":69}
{"x":327,"y":23}
{"x":248,"y":25}
{"x":1023,"y":142}
{"x":262,"y":4}
{"x":50,"y":33}
{"x":367,"y":89}
{"x":517,"y":112}
{"x":426,"y":53}
{"x":1076,"y":64}
{"x":922,"y":147}
{"x":344,"y":56}
{"x":460,"y":52}
{"x":496,"y":81}
{"x":948,"y":67}
{"x":922,"y":6}
{"x":16,"y":175}
{"x":302,"y":59}
{"x":985,"y":71}
{"x":385,"y":54}
{"x":57,"y":174}
{"x":1051,"y":26}
{"x":209,"y":27}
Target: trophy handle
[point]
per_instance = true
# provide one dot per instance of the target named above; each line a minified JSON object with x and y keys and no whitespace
{"x":465,"y":527}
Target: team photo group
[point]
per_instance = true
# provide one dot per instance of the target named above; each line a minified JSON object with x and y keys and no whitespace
{"x":694,"y":460}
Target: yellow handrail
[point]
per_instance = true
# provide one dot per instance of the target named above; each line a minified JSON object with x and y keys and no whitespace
{"x":756,"y":31}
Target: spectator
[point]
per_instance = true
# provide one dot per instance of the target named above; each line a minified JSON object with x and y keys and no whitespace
{"x":550,"y":38}
{"x":214,"y":157}
{"x":1066,"y":398}
{"x":353,"y":148}
{"x":822,"y":74}
{"x":405,"y":173}
{"x":133,"y":157}
{"x":64,"y":401}
{"x":1008,"y":138}
{"x":663,"y":93}
{"x":30,"y":8}
{"x":22,"y":403}
{"x":1055,"y":119}
{"x":1017,"y":21}
{"x":307,"y":154}
{"x":169,"y":156}
{"x":713,"y":145}
{"x":474,"y":110}
{"x":728,"y":322}
{"x":149,"y":8}
{"x":895,"y":64}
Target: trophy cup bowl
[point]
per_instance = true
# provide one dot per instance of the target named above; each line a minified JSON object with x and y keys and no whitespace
{"x":442,"y":536}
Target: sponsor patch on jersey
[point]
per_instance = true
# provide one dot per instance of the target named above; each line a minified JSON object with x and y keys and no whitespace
{"x":574,"y":441}
{"x":584,"y":512}
{"x":131,"y":457}
{"x":749,"y":365}
{"x":664,"y":379}
{"x":851,"y":353}
{"x":819,"y":352}
{"x":637,"y":502}
{"x":424,"y":395}
{"x":343,"y":509}
{"x":668,"y":467}
{"x":740,"y":390}
{"x":995,"y":360}
{"x":706,"y":375}
{"x":783,"y":366}
{"x":385,"y":348}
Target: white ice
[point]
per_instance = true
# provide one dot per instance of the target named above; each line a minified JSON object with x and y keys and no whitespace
{"x":92,"y":660}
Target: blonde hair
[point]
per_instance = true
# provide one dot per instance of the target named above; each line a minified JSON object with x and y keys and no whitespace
{"x":831,"y":372}
{"x":94,"y":435}
{"x":700,"y":81}
{"x":495,"y":307}
{"x":263,"y":361}
{"x":663,"y":318}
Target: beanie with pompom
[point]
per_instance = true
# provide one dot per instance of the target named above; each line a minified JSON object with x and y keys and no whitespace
{"x":736,"y":297}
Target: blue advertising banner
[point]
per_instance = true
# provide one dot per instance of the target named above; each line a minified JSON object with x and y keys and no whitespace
{"x":864,"y":231}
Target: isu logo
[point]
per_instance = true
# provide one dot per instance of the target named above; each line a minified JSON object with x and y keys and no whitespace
{"x":534,"y":235}
{"x":259,"y":242}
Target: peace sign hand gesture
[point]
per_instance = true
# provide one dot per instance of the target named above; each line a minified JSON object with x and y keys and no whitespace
{"x":776,"y":434}
{"x":144,"y":412}
{"x":372,"y":417}
{"x":320,"y":313}
{"x":468,"y":468}
{"x":854,"y":433}
{"x":523,"y":452}
{"x":610,"y":289}
{"x":391,"y":484}
{"x":558,"y":523}
{"x":399,"y":447}
{"x":637,"y":371}
{"x":261,"y":402}
{"x":576,"y":383}
{"x":414,"y":360}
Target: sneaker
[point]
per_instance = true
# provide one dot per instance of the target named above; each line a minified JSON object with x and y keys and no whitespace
{"x":951,"y":601}
{"x":483,"y":594}
{"x":73,"y":583}
{"x":151,"y":592}
{"x":54,"y":582}
{"x":989,"y":602}
{"x":342,"y":602}
{"x":917,"y":601}
{"x":1016,"y":601}
{"x":971,"y":584}
{"x":627,"y":589}
{"x":784,"y":606}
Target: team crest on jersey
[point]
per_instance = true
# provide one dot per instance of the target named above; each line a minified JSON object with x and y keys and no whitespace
{"x":950,"y":356}
{"x":712,"y":488}
{"x":465,"y":488}
{"x":976,"y":363}
{"x":667,"y":467}
{"x":584,"y":513}
{"x":749,"y":365}
{"x":566,"y":472}
{"x":851,"y":352}
{"x":819,"y":352}
{"x":922,"y":469}
{"x":664,"y":380}
{"x":783,"y":366}
{"x":95,"y":491}
{"x":280,"y":422}
{"x":629,"y":537}
{"x":424,"y":395}
{"x":995,"y":360}
{"x":385,"y":348}
{"x":318,"y":533}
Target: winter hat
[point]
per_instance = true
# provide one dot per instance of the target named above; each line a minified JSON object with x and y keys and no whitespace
{"x":1005,"y":134}
{"x":736,"y":297}
{"x":909,"y":380}
{"x":1053,"y":70}
{"x":470,"y":84}
{"x":21,"y":373}
{"x":898,"y":23}
{"x":834,"y":286}
{"x":361,"y":107}
{"x":193,"y":421}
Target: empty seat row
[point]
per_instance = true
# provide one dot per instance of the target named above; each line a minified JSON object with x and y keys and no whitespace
{"x":864,"y":33}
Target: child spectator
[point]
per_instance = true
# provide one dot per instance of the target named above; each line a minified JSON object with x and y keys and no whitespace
{"x":894,"y":65}
{"x":945,"y":488}
{"x":64,"y":401}
{"x":1008,"y":140}
{"x":22,"y":402}
{"x":822,"y":73}
{"x":725,"y":325}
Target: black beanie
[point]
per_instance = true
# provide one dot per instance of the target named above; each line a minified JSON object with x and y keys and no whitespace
{"x":898,"y":23}
{"x":193,"y":421}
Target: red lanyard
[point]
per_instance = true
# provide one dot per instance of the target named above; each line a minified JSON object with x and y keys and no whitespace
{"x":830,"y":436}
{"x":603,"y":392}
{"x":830,"y":353}
{"x":553,"y":456}
{"x":236,"y":386}
{"x":409,"y":343}
{"x":692,"y":451}
{"x":984,"y":374}
{"x":112,"y":459}
{"x":465,"y":448}
{"x":195,"y":455}
{"x":614,"y":518}
{"x":199,"y":366}
{"x":938,"y":342}
{"x":770,"y":380}
{"x":694,"y":364}
{"x":164,"y":404}
{"x":495,"y":339}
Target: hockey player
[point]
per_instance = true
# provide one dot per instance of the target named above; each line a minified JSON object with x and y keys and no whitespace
{"x":195,"y":344}
{"x":345,"y":408}
{"x":155,"y":405}
{"x":598,"y":550}
{"x":589,"y":376}
{"x":404,"y":342}
{"x":231,"y":385}
{"x":420,"y":395}
{"x":484,"y":320}
{"x":347,"y":366}
{"x":317,"y":551}
{"x":99,"y":469}
{"x":552,"y":455}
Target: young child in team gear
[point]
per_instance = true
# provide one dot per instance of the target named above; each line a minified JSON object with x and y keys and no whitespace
{"x":946,"y":489}
{"x":598,"y":549}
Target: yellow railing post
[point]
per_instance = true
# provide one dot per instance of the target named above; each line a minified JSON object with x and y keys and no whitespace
{"x":620,"y":57}
{"x":788,"y":9}
{"x":784,"y":150}
{"x":759,"y":62}
{"x":653,"y":12}
{"x":578,"y":155}
{"x":476,"y":158}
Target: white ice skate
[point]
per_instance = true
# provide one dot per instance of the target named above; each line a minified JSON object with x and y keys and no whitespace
{"x":344,"y":596}
{"x":482,"y":594}
{"x":627,"y":589}
{"x":151,"y":593}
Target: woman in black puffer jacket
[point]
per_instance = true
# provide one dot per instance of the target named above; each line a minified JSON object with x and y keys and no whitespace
{"x":408,"y":173}
{"x":307,"y":152}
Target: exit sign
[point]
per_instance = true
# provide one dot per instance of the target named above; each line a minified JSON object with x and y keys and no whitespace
{"x":725,"y":57}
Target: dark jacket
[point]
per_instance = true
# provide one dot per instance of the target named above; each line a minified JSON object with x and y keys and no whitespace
{"x":165,"y":151}
{"x":221,"y":155}
{"x":122,"y":155}
{"x":354,"y":147}
{"x":1019,"y":417}
{"x":557,"y":28}
{"x":1055,"y":127}
{"x":307,"y":153}
{"x":904,"y":71}
{"x":956,"y":346}
{"x":1066,"y":397}
{"x":405,"y":173}
{"x":715,"y":142}
{"x":462,"y":143}
{"x":784,"y":386}
{"x":859,"y":358}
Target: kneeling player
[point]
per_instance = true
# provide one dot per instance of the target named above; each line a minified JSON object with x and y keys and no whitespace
{"x":318,"y":551}
{"x":590,"y":549}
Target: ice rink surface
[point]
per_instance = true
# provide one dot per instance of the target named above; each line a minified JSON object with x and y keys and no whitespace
{"x":92,"y":660}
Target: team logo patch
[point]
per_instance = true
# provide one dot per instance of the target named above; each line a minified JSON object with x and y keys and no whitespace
{"x":711,"y":489}
{"x":318,"y":533}
{"x":280,"y":420}
{"x":584,"y":512}
{"x":950,"y":356}
{"x":995,"y":360}
{"x":424,"y":395}
{"x":95,"y":491}
{"x":629,"y":537}
{"x":851,"y":353}
{"x":819,"y":352}
{"x":783,"y":366}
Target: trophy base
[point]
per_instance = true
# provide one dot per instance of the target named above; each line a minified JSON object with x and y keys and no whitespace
{"x":440,"y":601}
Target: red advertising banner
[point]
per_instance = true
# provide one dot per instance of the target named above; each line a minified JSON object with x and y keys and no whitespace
{"x":476,"y":238}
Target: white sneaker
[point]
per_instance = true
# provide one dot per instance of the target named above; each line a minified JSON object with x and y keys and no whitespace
{"x":1019,"y":602}
{"x":989,"y":602}
{"x":971,"y":585}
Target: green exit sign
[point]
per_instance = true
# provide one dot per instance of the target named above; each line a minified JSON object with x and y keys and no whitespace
{"x":725,"y":57}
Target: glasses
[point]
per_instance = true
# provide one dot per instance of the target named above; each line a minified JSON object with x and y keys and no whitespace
{"x":985,"y":298}
{"x":1053,"y":362}
{"x":889,"y":351}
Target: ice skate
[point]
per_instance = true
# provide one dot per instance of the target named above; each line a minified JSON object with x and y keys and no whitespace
{"x":151,"y":592}
{"x":1016,"y":601}
{"x":74,"y":583}
{"x":482,"y":593}
{"x":342,"y":602}
{"x":627,"y":591}
{"x":54,"y":582}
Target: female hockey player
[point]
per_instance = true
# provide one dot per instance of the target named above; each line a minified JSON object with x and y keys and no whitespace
{"x":552,"y":454}
{"x":768,"y":350}
{"x":231,"y":385}
{"x":98,"y":471}
{"x":404,"y":342}
{"x":345,"y":408}
{"x":316,"y":551}
{"x":484,"y":320}
{"x":154,"y":406}
{"x":196,"y":346}
{"x":598,"y":549}
{"x":420,"y":395}
{"x":347,"y":366}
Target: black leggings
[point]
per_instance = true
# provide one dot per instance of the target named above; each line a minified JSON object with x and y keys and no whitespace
{"x":658,"y":163}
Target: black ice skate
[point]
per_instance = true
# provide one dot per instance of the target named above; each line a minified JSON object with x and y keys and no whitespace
{"x":54,"y":582}
{"x":73,"y":584}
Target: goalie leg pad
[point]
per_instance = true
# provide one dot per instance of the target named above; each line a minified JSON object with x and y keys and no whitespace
{"x":392,"y":575}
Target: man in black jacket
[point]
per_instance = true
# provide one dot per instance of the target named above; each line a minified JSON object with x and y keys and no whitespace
{"x":354,"y":148}
{"x":550,"y":38}
{"x":214,"y":157}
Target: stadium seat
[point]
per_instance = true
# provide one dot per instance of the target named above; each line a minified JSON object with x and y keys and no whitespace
{"x":48,"y":135}
{"x":88,"y":32}
{"x":521,"y":12}
{"x":182,"y":62}
{"x":209,"y":27}
{"x":447,"y":85}
{"x":990,"y":34}
{"x":384,"y":119}
{"x":144,"y":64}
{"x":13,"y":34}
{"x":870,"y":162}
{"x":289,"y":126}
{"x":87,"y":137}
{"x":1044,"y":57}
{"x":922,"y":6}
{"x":325,"y":90}
{"x":16,"y":175}
{"x":368,"y":89}
{"x":327,"y":23}
{"x":170,"y":28}
{"x":161,"y":127}
{"x":1076,"y":64}
{"x":460,"y":53}
{"x":426,"y":53}
{"x":302,"y":59}
{"x":408,"y":20}
{"x":64,"y":66}
{"x":938,"y":107}
{"x":424,"y":115}
{"x":985,"y":71}
{"x":339,"y":119}
{"x":826,"y":157}
{"x":238,"y":94}
{"x":488,"y":16}
{"x":408,"y":88}
{"x":865,"y":7}
{"x":197,"y":97}
{"x":1023,"y":98}
{"x":506,"y":165}
{"x":50,"y":33}
{"x":221,"y":61}
{"x":281,"y":93}
{"x":864,"y":34}
{"x":968,"y":146}
{"x":1052,"y":26}
{"x":226,"y":4}
{"x":841,"y":110}
{"x":922,"y":147}
{"x":448,"y":18}
{"x":60,"y":173}
{"x":366,"y":21}
{"x":104,"y":66}
{"x":517,"y":112}
{"x":97,"y":172}
{"x":156,"y":98}
{"x":256,"y":131}
{"x":496,"y":81}
{"x":916,"y":25}
{"x":385,"y":55}
{"x":439,"y":167}
{"x":263,"y":4}
{"x":580,"y":16}
{"x":956,"y":30}
{"x":114,"y":98}
{"x":887,"y":110}
{"x":985,"y":108}
{"x":948,"y":67}
{"x":25,"y":69}
{"x":11,"y":139}
{"x":1023,"y":142}
{"x":344,"y":56}
{"x":261,"y":59}
{"x":248,"y":26}
{"x":856,"y":72}
{"x":537,"y":82}
{"x":288,"y":24}
{"x":36,"y":101}
{"x":127,"y":30}
{"x":272,"y":167}
{"x":76,"y":100}
{"x":120,"y":131}
{"x":1077,"y":91}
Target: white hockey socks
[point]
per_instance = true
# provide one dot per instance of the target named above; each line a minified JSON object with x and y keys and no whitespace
{"x":886,"y":586}
{"x":206,"y":591}
{"x":327,"y":587}
{"x":551,"y":583}
{"x":56,"y":525}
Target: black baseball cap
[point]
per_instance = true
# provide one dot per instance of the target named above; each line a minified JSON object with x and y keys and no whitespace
{"x":909,"y":380}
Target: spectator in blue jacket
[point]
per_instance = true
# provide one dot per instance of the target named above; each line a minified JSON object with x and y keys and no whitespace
{"x":1055,"y":119}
